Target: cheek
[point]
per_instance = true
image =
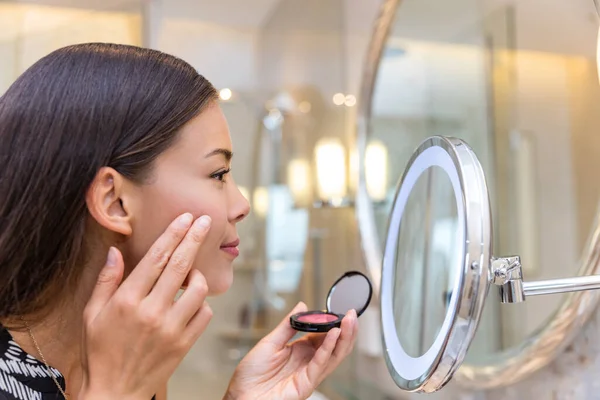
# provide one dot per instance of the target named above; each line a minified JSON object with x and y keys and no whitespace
{"x":159,"y":208}
{"x":213,"y":262}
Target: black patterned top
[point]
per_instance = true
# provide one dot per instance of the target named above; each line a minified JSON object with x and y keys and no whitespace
{"x":22,"y":376}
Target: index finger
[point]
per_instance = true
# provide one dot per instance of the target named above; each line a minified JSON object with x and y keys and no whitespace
{"x":181,"y":262}
{"x":144,"y":276}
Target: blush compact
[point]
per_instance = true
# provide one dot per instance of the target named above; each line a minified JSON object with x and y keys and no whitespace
{"x":352,"y":291}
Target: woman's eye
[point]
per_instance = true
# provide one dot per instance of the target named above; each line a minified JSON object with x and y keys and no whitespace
{"x":220,"y":176}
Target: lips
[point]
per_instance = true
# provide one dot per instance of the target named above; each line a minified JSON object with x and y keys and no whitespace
{"x":231,"y":248}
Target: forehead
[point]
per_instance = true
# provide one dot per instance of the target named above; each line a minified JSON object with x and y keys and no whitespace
{"x":205,"y":133}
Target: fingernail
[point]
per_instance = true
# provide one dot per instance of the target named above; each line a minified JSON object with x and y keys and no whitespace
{"x":111,"y":260}
{"x":203,"y":222}
{"x":184,"y":220}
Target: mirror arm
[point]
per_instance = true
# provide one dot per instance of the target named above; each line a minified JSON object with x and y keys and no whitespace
{"x":507,"y":273}
{"x":551,"y":286}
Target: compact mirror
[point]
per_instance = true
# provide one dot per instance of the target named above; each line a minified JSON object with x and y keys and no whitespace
{"x":352,"y":290}
{"x":438,"y":266}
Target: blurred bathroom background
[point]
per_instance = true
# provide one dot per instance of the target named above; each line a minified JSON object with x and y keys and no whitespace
{"x":289,"y":75}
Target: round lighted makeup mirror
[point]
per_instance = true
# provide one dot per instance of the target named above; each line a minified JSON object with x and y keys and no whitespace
{"x":454,"y":69}
{"x":438,"y":266}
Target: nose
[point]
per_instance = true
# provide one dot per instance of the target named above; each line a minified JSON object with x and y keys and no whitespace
{"x":240,"y":206}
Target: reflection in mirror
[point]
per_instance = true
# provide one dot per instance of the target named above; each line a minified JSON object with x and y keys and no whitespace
{"x":352,"y":291}
{"x":427,"y":261}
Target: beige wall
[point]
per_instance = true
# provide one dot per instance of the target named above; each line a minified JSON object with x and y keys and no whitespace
{"x":29,"y":32}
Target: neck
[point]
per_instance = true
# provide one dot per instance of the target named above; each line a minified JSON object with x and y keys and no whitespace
{"x":58,"y":338}
{"x":59,"y":334}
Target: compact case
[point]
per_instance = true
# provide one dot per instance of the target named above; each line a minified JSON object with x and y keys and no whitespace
{"x":352,"y":291}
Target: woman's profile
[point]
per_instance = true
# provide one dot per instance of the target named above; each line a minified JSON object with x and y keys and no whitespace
{"x":116,"y":192}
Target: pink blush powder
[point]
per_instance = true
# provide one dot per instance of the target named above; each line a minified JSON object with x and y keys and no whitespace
{"x":317,"y":318}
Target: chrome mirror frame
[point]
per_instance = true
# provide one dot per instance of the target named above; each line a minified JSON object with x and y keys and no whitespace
{"x":537,"y":350}
{"x":430,"y":371}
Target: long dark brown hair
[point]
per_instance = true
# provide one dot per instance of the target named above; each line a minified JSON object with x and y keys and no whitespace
{"x":76,"y":110}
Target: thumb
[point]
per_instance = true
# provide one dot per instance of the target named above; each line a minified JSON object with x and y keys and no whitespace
{"x":107,"y":283}
{"x":284,"y":331}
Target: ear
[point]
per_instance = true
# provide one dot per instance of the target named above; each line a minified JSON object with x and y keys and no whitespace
{"x":105,"y":201}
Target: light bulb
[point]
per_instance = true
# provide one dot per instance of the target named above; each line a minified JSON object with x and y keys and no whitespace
{"x":339,"y":99}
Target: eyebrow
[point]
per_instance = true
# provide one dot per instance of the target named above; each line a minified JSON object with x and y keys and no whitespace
{"x":224,"y":152}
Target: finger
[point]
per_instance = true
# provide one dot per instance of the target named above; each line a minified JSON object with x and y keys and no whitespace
{"x":146,"y":273}
{"x":284,"y":331}
{"x":180,"y":264}
{"x":346,"y":342}
{"x":107,"y":283}
{"x":198,"y":324}
{"x":316,"y":368}
{"x":315,"y":339}
{"x":191,"y":300}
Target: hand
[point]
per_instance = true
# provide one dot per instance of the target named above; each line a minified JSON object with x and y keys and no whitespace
{"x":275,"y":369}
{"x":135,"y":334}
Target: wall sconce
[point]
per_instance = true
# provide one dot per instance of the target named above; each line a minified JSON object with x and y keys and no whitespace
{"x":330,"y":158}
{"x":376,"y":169}
{"x":298,"y":180}
{"x":260,"y":201}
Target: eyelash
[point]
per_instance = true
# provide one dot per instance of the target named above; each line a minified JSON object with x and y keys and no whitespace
{"x":220,"y":176}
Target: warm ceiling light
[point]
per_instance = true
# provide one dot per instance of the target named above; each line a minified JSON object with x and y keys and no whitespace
{"x":225,"y":94}
{"x":350,"y":100}
{"x":338,"y":99}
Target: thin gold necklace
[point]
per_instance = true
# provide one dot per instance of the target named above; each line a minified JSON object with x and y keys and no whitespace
{"x":37,"y":347}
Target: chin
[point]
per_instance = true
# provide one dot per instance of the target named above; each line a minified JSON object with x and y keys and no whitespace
{"x":220,"y":283}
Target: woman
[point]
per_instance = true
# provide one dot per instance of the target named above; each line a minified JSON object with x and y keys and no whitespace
{"x":115,"y":192}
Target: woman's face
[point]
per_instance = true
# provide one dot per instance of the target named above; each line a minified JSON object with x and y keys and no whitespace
{"x":193,"y":176}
